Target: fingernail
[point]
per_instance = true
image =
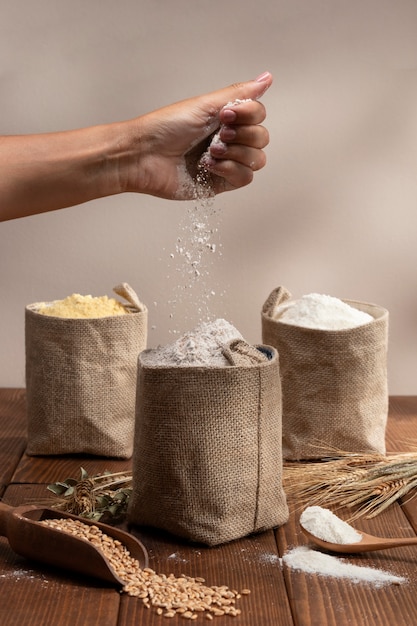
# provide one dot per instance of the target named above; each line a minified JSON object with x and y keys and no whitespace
{"x":218,"y":148}
{"x":227,"y":133}
{"x":263,"y":77}
{"x":229,"y":116}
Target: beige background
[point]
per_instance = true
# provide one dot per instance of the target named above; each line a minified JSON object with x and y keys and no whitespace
{"x":334,"y":211}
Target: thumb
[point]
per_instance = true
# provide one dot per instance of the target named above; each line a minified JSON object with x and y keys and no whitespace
{"x":252,"y":90}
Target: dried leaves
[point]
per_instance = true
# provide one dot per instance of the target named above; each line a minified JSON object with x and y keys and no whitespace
{"x":94,"y":497}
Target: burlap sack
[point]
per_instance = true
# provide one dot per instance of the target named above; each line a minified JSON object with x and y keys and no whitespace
{"x":207,"y":463}
{"x":81,"y":380}
{"x":334,"y":383}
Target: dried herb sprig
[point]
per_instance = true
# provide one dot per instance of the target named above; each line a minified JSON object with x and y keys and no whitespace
{"x":103,"y":495}
{"x":368,"y":483}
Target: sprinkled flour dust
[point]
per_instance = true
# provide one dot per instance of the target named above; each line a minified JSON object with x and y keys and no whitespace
{"x":26,"y":574}
{"x":197,"y":248}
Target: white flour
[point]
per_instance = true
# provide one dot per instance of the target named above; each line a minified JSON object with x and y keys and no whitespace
{"x":310,"y":561}
{"x":205,"y":158}
{"x":199,"y":347}
{"x":196,"y":248}
{"x":322,"y":312}
{"x":325,"y":525}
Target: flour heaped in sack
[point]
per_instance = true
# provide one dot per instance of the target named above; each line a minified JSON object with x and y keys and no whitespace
{"x":207,"y":461}
{"x":333,"y":377}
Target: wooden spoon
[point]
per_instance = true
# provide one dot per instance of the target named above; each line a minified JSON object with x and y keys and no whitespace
{"x":35,"y":541}
{"x":368,"y":543}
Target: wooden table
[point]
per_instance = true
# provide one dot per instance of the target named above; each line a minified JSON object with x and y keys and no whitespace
{"x":38,"y":596}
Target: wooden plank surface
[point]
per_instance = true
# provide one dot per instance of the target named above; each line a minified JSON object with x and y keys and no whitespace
{"x":12,"y":432}
{"x":41,"y":469}
{"x":251,"y":563}
{"x":401,"y":433}
{"x":35,"y":596}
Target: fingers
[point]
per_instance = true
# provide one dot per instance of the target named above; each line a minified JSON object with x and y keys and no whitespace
{"x":240,"y":126}
{"x":251,"y":158}
{"x":233,"y":165}
{"x":237,"y":149}
{"x":242,"y":112}
{"x":254,"y":136}
{"x":237,"y":152}
{"x":229,"y":175}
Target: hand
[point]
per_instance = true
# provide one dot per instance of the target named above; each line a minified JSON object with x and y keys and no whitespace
{"x":168,"y":144}
{"x":160,"y":154}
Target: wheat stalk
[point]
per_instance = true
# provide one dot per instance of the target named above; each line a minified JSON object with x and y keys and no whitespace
{"x":368,"y":483}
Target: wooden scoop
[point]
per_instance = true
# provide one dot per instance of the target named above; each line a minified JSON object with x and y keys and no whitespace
{"x":368,"y":543}
{"x":41,"y":543}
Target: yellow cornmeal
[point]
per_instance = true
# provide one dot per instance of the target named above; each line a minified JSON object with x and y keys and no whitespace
{"x":77,"y":306}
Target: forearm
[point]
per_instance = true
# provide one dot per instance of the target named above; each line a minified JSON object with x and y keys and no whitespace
{"x":40,"y":173}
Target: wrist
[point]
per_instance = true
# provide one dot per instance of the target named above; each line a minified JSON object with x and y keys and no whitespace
{"x":124,"y":157}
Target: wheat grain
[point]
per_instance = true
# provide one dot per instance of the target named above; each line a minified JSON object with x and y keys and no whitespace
{"x":169,"y":595}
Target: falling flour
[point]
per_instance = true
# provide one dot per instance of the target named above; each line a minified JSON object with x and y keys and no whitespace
{"x":199,"y":347}
{"x":321,"y":312}
{"x":197,"y":245}
{"x":325,"y":525}
{"x":195,"y":250}
{"x":310,"y":561}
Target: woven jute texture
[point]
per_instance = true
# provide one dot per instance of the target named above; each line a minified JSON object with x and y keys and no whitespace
{"x":81,"y":380}
{"x":207,"y":461}
{"x":334,"y":383}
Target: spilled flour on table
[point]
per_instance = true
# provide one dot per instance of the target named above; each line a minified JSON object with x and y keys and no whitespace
{"x":310,"y":561}
{"x":177,"y":558}
{"x":26,"y":574}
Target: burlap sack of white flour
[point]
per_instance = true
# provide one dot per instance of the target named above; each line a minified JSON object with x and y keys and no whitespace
{"x":334,"y":382}
{"x":81,"y":380}
{"x":207,"y":463}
